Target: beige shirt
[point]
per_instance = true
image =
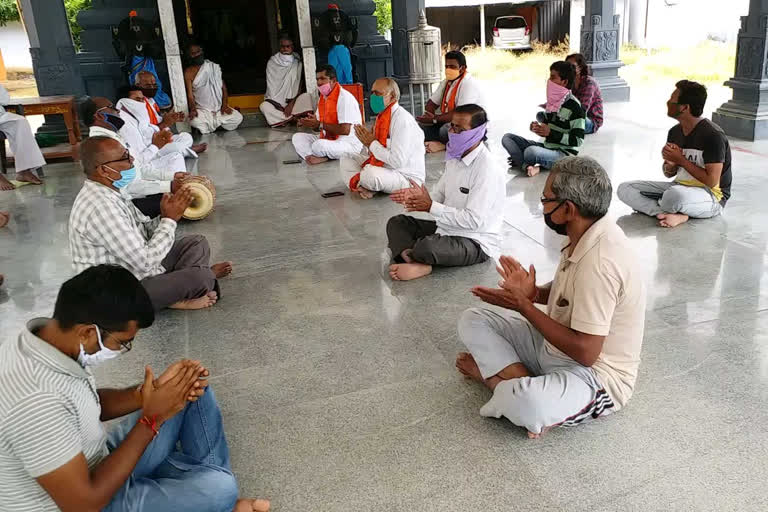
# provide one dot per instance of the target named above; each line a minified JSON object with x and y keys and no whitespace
{"x":599,"y":290}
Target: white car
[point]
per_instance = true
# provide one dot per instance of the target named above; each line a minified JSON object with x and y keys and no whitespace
{"x":511,"y":33}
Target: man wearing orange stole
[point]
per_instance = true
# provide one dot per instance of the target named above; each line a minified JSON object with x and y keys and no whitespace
{"x":337,"y":112}
{"x":395,"y":147}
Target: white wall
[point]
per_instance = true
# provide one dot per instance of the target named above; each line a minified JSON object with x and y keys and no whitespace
{"x":15,"y":46}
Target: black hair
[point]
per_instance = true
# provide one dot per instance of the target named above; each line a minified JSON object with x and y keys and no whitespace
{"x":125,"y":92}
{"x":285,"y":36}
{"x":329,"y":70}
{"x":87,"y":111}
{"x":106,"y":295}
{"x":566,"y":71}
{"x":581,"y":62}
{"x":190,"y":44}
{"x":457,"y":56}
{"x":478,"y":114}
{"x":692,"y":94}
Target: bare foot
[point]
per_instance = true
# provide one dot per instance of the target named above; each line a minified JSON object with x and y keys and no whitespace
{"x":203,"y":302}
{"x":533,"y":170}
{"x":28,"y":177}
{"x":5,"y":184}
{"x":2,"y":279}
{"x":314,"y":160}
{"x":531,"y":435}
{"x":406,"y":255}
{"x":222,"y":269}
{"x":4,"y":218}
{"x":434,"y":146}
{"x":199,"y":148}
{"x":466,"y":364}
{"x":409,"y":271}
{"x":248,"y":505}
{"x":670,"y":220}
{"x":365,"y":193}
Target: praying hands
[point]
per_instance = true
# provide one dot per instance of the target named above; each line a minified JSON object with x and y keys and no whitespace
{"x":364,"y":135}
{"x":415,"y":199}
{"x":542,"y":130}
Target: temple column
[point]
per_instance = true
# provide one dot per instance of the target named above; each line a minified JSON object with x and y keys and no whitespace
{"x":600,"y":44}
{"x":746,"y":115}
{"x":405,"y":16}
{"x":173,"y":55}
{"x":307,"y":46}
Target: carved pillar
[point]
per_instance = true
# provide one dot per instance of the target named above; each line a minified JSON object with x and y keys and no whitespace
{"x":746,"y":115}
{"x":600,"y":43}
{"x":53,"y":57}
{"x":405,"y":15}
{"x":173,"y":55}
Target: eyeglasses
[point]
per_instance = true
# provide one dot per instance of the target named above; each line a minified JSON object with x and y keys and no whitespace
{"x":126,"y":345}
{"x":545,"y":200}
{"x":126,"y":158}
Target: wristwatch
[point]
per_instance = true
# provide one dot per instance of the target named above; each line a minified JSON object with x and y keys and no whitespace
{"x":434,"y":121}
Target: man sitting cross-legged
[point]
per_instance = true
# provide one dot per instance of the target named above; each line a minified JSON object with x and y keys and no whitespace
{"x":467,"y":204}
{"x":168,"y":452}
{"x":577,"y":359}
{"x":284,"y":102}
{"x":697,"y":155}
{"x":395,"y":147}
{"x":337,"y":112}
{"x":105,"y":227}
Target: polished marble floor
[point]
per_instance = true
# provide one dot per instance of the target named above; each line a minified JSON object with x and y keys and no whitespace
{"x":338,"y":387}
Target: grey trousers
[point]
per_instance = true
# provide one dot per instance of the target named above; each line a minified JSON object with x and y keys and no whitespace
{"x":406,"y":232}
{"x":561,"y":392}
{"x":656,"y":197}
{"x":188,"y":274}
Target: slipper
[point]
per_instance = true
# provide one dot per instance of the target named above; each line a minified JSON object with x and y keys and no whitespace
{"x":19,"y":184}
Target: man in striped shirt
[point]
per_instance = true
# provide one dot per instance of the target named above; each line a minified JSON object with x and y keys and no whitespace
{"x":105,"y":227}
{"x":562,"y":126}
{"x":54,"y":451}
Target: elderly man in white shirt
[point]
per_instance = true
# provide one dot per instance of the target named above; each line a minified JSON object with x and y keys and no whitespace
{"x":458,"y":88}
{"x":395,"y":147}
{"x":26,"y":153}
{"x":282,"y":103}
{"x":467,"y":205}
{"x":337,"y":113}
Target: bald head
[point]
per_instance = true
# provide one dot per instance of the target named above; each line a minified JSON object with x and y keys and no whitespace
{"x":388,"y":89}
{"x":96,"y":151}
{"x":145,"y":79}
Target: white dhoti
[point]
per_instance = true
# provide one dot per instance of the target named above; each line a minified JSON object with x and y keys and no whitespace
{"x":307,"y":144}
{"x":208,"y":121}
{"x":304,"y":104}
{"x":209,"y":96}
{"x":372,"y":177}
{"x":182,"y":143}
{"x":24,"y":147}
{"x":173,"y":161}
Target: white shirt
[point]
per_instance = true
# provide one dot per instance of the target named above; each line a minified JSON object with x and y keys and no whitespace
{"x":405,"y":146}
{"x":468,"y":200}
{"x":348,"y":110}
{"x":470,"y":92}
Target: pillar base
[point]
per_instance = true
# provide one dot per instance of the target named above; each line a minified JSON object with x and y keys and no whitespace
{"x":612,"y":86}
{"x":746,"y":115}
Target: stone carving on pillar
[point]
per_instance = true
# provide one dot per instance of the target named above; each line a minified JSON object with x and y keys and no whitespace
{"x":600,"y":47}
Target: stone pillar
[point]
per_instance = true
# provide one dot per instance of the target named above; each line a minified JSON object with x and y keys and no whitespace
{"x":307,"y":46}
{"x":173,"y":56}
{"x":53,"y":57}
{"x":746,"y":115}
{"x":405,"y":16}
{"x":600,"y":43}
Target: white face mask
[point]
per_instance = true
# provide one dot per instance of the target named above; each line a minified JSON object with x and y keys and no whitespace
{"x":286,"y":59}
{"x":103,"y":355}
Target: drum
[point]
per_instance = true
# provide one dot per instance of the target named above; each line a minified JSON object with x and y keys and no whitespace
{"x":203,"y":197}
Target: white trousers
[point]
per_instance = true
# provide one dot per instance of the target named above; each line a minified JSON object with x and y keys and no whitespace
{"x":24,"y":147}
{"x":373,"y":178}
{"x":169,"y":162}
{"x":307,"y":144}
{"x":275,"y":117}
{"x":208,"y":122}
{"x":182,"y":143}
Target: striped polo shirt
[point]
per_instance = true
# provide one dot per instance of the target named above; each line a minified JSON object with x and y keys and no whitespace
{"x":49,"y":413}
{"x":566,"y":127}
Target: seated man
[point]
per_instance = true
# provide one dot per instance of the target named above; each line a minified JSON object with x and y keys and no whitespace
{"x":26,"y":152}
{"x":207,"y":95}
{"x":55,"y":450}
{"x":104,"y":227}
{"x":153,"y":179}
{"x":467,"y":204}
{"x":147,"y":83}
{"x":562,"y":126}
{"x":337,"y":112}
{"x":396,"y":147}
{"x":283,"y":102}
{"x":458,"y":88}
{"x":697,"y":155}
{"x":578,"y":359}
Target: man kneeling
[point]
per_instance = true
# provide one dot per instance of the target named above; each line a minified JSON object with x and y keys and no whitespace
{"x":579,"y":359}
{"x":396,"y":147}
{"x":467,"y":204}
{"x":55,"y":452}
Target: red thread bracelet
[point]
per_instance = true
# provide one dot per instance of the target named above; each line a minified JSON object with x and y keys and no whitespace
{"x":151,"y":423}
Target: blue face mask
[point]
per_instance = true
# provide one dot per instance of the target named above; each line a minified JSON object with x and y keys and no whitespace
{"x":127,"y":177}
{"x":377,"y":103}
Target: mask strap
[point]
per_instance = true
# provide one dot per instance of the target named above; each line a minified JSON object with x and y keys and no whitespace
{"x":98,"y":336}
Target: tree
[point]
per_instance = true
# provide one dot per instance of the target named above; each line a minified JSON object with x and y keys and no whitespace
{"x":9,"y":12}
{"x":384,"y":15}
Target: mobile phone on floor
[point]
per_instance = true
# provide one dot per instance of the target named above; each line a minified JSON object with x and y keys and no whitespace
{"x":332,"y":194}
{"x":289,"y":162}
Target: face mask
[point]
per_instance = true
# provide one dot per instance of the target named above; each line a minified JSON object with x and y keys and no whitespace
{"x":460,"y":143}
{"x":377,"y":104}
{"x":103,"y":355}
{"x":198,"y":61}
{"x":452,"y":74}
{"x":556,"y":96}
{"x":325,"y":89}
{"x":287,"y":60}
{"x":560,"y":229}
{"x":112,"y":120}
{"x":677,"y":113}
{"x":127,"y":177}
{"x":149,"y":92}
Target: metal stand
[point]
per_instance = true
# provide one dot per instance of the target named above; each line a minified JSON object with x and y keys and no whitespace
{"x":421,"y":95}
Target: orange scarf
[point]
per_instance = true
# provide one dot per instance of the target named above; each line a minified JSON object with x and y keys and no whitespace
{"x":449,"y":105}
{"x":328,"y":110}
{"x":381,"y":131}
{"x":152,"y":112}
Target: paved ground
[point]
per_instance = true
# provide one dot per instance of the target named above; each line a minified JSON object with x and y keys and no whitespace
{"x":338,"y":386}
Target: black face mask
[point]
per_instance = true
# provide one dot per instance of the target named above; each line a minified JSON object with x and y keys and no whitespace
{"x":149,"y":92}
{"x":198,"y":61}
{"x":112,"y":120}
{"x":560,"y":229}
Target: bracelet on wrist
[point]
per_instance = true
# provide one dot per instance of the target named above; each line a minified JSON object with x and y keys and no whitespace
{"x":151,"y":423}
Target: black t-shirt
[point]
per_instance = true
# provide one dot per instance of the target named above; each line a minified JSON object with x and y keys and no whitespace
{"x":706,"y":144}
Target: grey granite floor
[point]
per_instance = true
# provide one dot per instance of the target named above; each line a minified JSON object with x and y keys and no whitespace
{"x":338,"y":387}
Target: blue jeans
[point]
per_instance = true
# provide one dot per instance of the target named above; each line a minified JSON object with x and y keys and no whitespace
{"x":198,"y":477}
{"x":524,"y":152}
